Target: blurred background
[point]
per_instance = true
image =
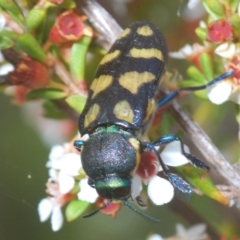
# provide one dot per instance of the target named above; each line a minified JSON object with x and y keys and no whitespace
{"x":24,"y":150}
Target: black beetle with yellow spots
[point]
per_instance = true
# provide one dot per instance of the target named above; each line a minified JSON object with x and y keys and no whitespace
{"x":120,"y":106}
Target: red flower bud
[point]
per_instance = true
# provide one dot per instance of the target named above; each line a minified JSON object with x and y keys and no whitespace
{"x":30,"y":73}
{"x":234,"y":65}
{"x":68,"y":27}
{"x":111,"y":209}
{"x":219,"y":31}
{"x":149,"y":165}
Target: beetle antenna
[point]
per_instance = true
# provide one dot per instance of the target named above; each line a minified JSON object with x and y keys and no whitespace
{"x":141,"y":213}
{"x":97,"y":210}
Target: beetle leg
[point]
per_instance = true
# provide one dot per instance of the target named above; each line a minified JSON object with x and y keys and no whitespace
{"x":175,"y":93}
{"x":176,"y":181}
{"x":171,"y":138}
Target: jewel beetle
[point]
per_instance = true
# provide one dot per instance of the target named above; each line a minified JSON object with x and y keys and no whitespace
{"x":119,"y":109}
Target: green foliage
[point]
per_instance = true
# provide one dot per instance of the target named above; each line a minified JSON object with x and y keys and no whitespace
{"x":46,"y":93}
{"x":76,"y":102}
{"x":34,"y":18}
{"x":214,"y":8}
{"x":75,"y":209}
{"x":78,"y":57}
{"x":29,"y":44}
{"x":5,"y":42}
{"x":50,"y":111}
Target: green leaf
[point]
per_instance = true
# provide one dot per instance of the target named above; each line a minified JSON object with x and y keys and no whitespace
{"x":29,"y":44}
{"x":9,"y":34}
{"x":78,"y":57}
{"x":201,"y":180}
{"x":46,"y":93}
{"x":166,"y":123}
{"x":13,"y":10}
{"x":235,"y":21}
{"x":96,"y":49}
{"x":196,"y":75}
{"x":75,"y":209}
{"x":50,"y":111}
{"x":206,"y":64}
{"x":201,"y":33}
{"x":234,"y":5}
{"x":35,"y":17}
{"x":5,"y":42}
{"x":76,"y":102}
{"x":214,"y":8}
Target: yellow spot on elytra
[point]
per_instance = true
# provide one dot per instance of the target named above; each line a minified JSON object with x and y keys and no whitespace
{"x":110,"y":56}
{"x":101,"y":83}
{"x":146,"y":53}
{"x":124,"y":34}
{"x":145,"y":31}
{"x":150,"y":110}
{"x":123,"y":111}
{"x":132,"y":81}
{"x":135,"y":143}
{"x":91,"y":115}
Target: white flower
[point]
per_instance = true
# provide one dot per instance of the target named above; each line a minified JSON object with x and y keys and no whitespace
{"x":189,"y":52}
{"x":226,"y":50}
{"x":228,"y":89}
{"x":6,"y":68}
{"x":183,"y":52}
{"x":136,"y":186}
{"x":160,"y":190}
{"x":2,"y":22}
{"x":87,"y":193}
{"x":221,"y":92}
{"x":193,"y":3}
{"x":155,"y":237}
{"x":195,"y":232}
{"x":67,"y":166}
{"x":48,"y":207}
{"x":172,"y":155}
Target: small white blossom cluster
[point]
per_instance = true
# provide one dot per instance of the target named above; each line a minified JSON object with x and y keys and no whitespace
{"x":195,"y":232}
{"x":228,"y":89}
{"x":64,"y":166}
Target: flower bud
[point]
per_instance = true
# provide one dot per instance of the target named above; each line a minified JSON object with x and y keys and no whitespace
{"x":68,"y":27}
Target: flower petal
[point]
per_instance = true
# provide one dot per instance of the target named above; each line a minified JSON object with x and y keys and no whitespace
{"x":172,"y":155}
{"x":87,"y":193}
{"x":181,"y":231}
{"x":56,"y":152}
{"x":136,"y":186}
{"x":193,"y":3}
{"x":197,"y":232}
{"x":70,"y":164}
{"x":56,"y":218}
{"x":2,"y":22}
{"x":45,"y":208}
{"x":6,"y":68}
{"x":182,"y":53}
{"x":220,"y":92}
{"x":155,"y":237}
{"x":55,"y":155}
{"x":226,"y":50}
{"x":160,"y":190}
{"x":66,"y":183}
{"x":235,"y":96}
